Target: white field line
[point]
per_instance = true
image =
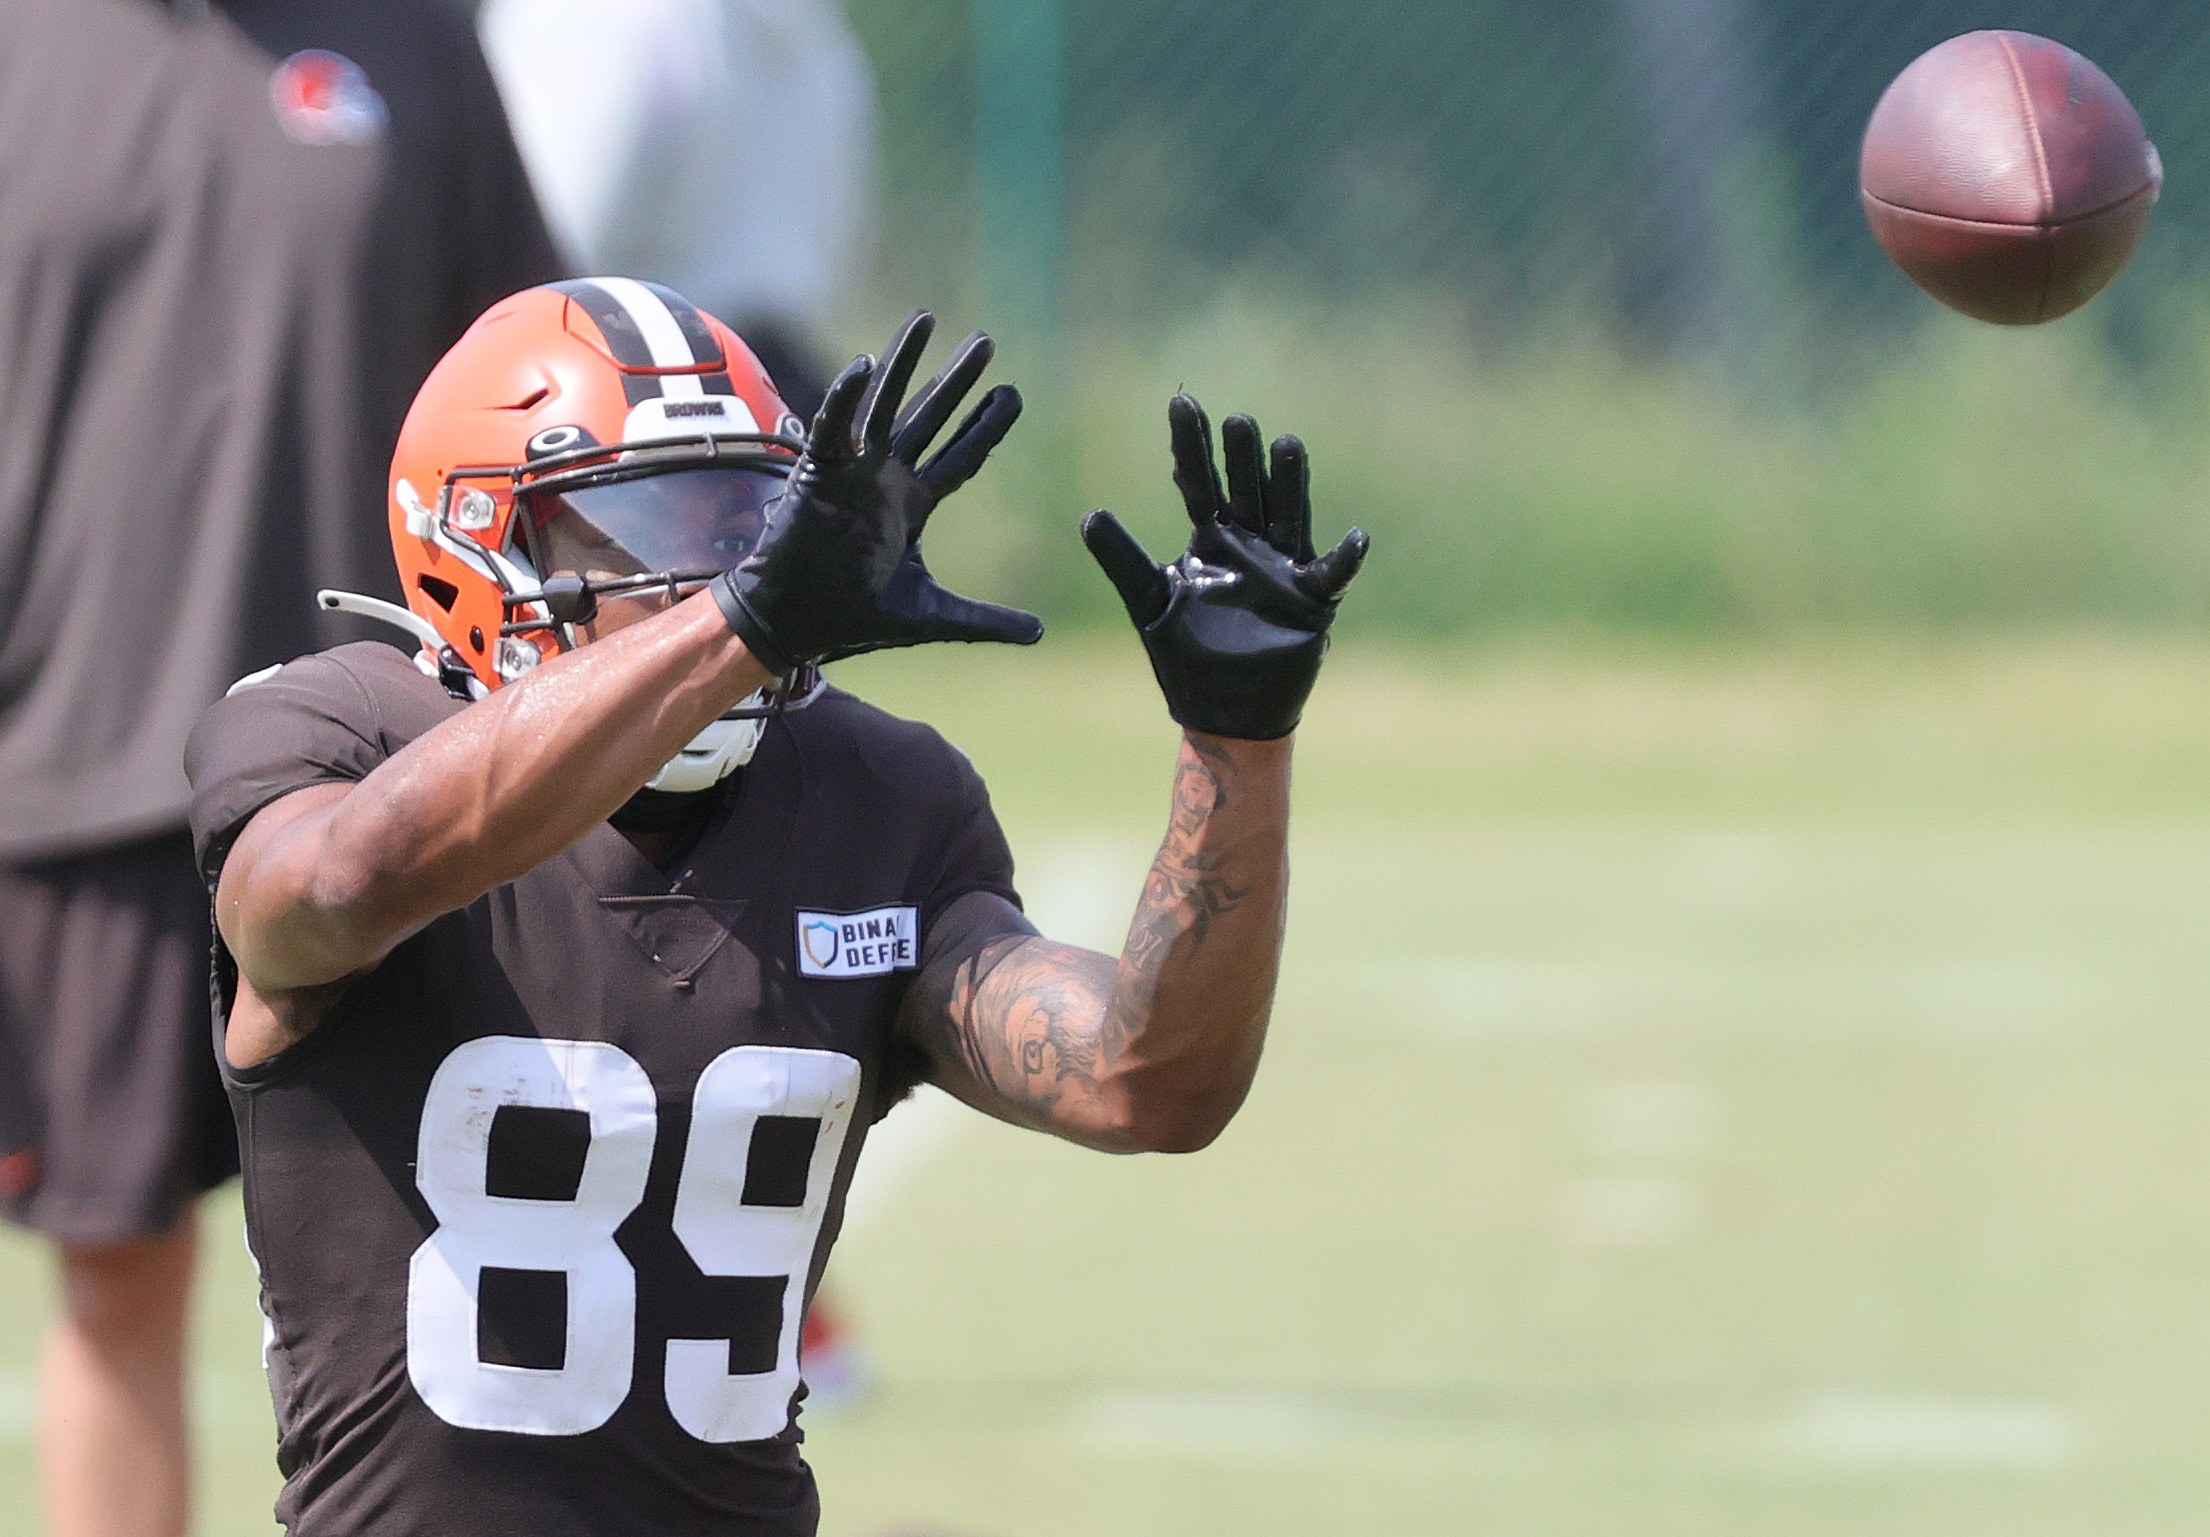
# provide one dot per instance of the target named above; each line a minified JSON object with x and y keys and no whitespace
{"x":1475,"y":997}
{"x":1629,"y":1212}
{"x":1642,"y":1119}
{"x":1870,"y":1432}
{"x":1084,"y":892}
{"x":18,"y":1406}
{"x":1217,"y":1424}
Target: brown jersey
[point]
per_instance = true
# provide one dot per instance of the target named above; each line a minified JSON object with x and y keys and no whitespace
{"x":537,"y":1209}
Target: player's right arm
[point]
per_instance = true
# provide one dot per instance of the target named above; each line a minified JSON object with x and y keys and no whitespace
{"x":323,"y":883}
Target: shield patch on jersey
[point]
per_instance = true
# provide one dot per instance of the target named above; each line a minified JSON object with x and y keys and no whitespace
{"x":820,"y":941}
{"x":870,"y":944}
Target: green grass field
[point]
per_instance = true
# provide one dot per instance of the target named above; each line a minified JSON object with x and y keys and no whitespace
{"x":1713,"y":1092}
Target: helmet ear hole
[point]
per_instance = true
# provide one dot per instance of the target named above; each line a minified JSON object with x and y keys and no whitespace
{"x":558,"y":440}
{"x":441,"y":592}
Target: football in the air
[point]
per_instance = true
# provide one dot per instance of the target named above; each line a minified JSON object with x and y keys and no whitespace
{"x":2008,"y":176}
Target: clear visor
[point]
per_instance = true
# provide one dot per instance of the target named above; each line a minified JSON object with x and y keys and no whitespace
{"x":694,"y":522}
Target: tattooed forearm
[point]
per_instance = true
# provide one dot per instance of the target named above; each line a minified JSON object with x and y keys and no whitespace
{"x":1194,"y":883}
{"x":1158,"y":1047}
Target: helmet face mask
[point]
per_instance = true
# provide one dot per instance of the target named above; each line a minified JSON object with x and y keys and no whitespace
{"x":643,"y":539}
{"x":593,"y":451}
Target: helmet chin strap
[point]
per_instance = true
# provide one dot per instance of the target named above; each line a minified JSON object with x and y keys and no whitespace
{"x":725,"y":746}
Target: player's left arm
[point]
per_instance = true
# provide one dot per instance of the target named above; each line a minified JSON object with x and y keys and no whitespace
{"x":1156,"y":1050}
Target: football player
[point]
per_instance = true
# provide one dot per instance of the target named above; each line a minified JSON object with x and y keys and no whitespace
{"x":565,"y":965}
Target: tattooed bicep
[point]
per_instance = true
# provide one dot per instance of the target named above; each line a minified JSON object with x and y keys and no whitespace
{"x":1019,"y":1027}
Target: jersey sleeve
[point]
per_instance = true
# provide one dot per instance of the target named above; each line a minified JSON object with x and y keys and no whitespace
{"x":974,"y":857}
{"x":970,"y":903}
{"x":312,"y":722}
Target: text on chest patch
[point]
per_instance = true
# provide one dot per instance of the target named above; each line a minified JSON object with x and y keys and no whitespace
{"x":870,"y":944}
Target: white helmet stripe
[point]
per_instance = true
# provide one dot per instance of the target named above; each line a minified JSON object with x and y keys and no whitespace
{"x":654,"y":321}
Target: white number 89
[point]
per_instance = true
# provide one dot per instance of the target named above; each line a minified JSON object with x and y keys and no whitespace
{"x":574,"y":1239}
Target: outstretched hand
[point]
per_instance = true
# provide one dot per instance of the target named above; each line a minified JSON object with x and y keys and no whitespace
{"x":1236,"y":627}
{"x":838,"y":568}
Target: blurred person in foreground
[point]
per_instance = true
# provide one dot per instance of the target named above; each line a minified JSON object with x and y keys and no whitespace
{"x":565,"y":964}
{"x":725,"y":148}
{"x":233,"y":238}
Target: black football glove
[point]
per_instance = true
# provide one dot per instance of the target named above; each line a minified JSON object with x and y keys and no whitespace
{"x":1236,"y":628}
{"x":838,"y":567}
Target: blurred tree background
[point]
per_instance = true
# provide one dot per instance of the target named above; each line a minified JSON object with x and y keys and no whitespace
{"x":1573,"y":301}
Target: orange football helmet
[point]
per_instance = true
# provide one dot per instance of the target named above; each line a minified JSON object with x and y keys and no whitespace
{"x":583,"y":440}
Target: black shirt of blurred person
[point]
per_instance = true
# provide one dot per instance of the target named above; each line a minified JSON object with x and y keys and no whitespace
{"x":234,"y":237}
